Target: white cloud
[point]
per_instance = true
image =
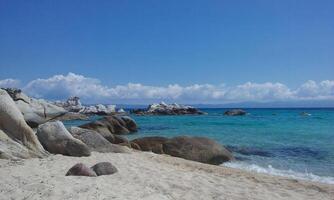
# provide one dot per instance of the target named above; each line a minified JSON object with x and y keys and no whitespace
{"x":6,"y":83}
{"x":91,"y":90}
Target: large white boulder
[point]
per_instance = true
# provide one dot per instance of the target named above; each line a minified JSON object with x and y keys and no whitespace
{"x":35,"y":111}
{"x":17,"y":139}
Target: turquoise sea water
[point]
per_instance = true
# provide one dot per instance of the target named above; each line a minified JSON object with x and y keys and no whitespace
{"x":276,"y":141}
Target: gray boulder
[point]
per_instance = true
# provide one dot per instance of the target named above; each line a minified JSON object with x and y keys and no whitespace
{"x":80,"y":170}
{"x":199,"y":149}
{"x":104,"y":168}
{"x":17,"y":139}
{"x":95,"y":141}
{"x":57,"y":140}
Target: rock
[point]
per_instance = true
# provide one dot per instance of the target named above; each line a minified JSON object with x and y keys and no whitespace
{"x":35,"y":111}
{"x":197,"y":149}
{"x":167,"y":109}
{"x":57,"y":140}
{"x":235,"y":112}
{"x":80,"y":170}
{"x":17,"y":139}
{"x":95,"y":141}
{"x":154,"y":144}
{"x":104,"y":168}
{"x":130,"y":123}
{"x":135,"y":146}
{"x":110,"y":125}
{"x":70,"y":116}
{"x":72,"y":104}
{"x":120,"y":139}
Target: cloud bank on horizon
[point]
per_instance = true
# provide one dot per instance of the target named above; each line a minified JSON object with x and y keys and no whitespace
{"x":91,"y":90}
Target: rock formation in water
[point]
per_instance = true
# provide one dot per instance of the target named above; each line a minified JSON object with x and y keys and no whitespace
{"x":167,"y":109}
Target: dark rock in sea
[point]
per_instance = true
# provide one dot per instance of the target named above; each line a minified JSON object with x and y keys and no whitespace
{"x":167,"y":109}
{"x":235,"y":112}
{"x":199,"y":149}
{"x":104,"y":168}
{"x":107,"y":126}
{"x":249,"y":151}
{"x":154,"y":144}
{"x":305,"y":114}
{"x":57,"y":140}
{"x":95,"y":141}
{"x":80,"y":170}
{"x":191,"y":148}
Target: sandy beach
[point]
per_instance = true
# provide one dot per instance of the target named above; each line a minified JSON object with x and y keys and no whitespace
{"x":143,"y":175}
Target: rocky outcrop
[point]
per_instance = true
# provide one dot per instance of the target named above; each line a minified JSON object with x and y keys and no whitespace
{"x":17,"y":139}
{"x":80,"y":169}
{"x":70,"y":116}
{"x":96,"y":142}
{"x":110,"y":125}
{"x":73,"y":104}
{"x":35,"y":111}
{"x":57,"y":140}
{"x":154,"y":144}
{"x":198,"y":149}
{"x":104,"y":168}
{"x":235,"y":112}
{"x":167,"y":109}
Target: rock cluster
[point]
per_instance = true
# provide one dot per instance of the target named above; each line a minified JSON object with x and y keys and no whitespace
{"x":73,"y":104}
{"x":167,"y":109}
{"x":102,"y":168}
{"x":198,"y":149}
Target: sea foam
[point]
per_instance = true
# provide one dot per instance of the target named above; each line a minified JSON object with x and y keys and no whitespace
{"x":278,"y":172}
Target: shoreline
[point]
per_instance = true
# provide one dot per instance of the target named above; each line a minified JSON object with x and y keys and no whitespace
{"x":144,"y":175}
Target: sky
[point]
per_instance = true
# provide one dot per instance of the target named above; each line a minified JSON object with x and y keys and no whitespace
{"x":178,"y":51}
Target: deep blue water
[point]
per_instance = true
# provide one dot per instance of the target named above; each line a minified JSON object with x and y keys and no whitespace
{"x":277,"y":141}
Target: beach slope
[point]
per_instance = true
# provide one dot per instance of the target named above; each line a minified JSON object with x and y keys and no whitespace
{"x":143,"y":175}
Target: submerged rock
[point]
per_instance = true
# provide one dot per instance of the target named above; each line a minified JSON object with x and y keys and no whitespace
{"x":80,"y":170}
{"x":104,"y":168}
{"x":168,"y":109}
{"x":17,"y":139}
{"x":235,"y":112}
{"x":198,"y":149}
{"x":57,"y":140}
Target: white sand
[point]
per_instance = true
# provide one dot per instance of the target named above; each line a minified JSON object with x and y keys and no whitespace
{"x":147,"y":176}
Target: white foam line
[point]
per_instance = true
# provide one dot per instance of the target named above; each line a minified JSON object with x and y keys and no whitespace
{"x":285,"y":173}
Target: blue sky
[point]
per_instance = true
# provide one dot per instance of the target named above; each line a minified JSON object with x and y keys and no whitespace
{"x":160,"y":43}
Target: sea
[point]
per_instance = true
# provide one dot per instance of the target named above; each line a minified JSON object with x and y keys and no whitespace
{"x":290,"y":142}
